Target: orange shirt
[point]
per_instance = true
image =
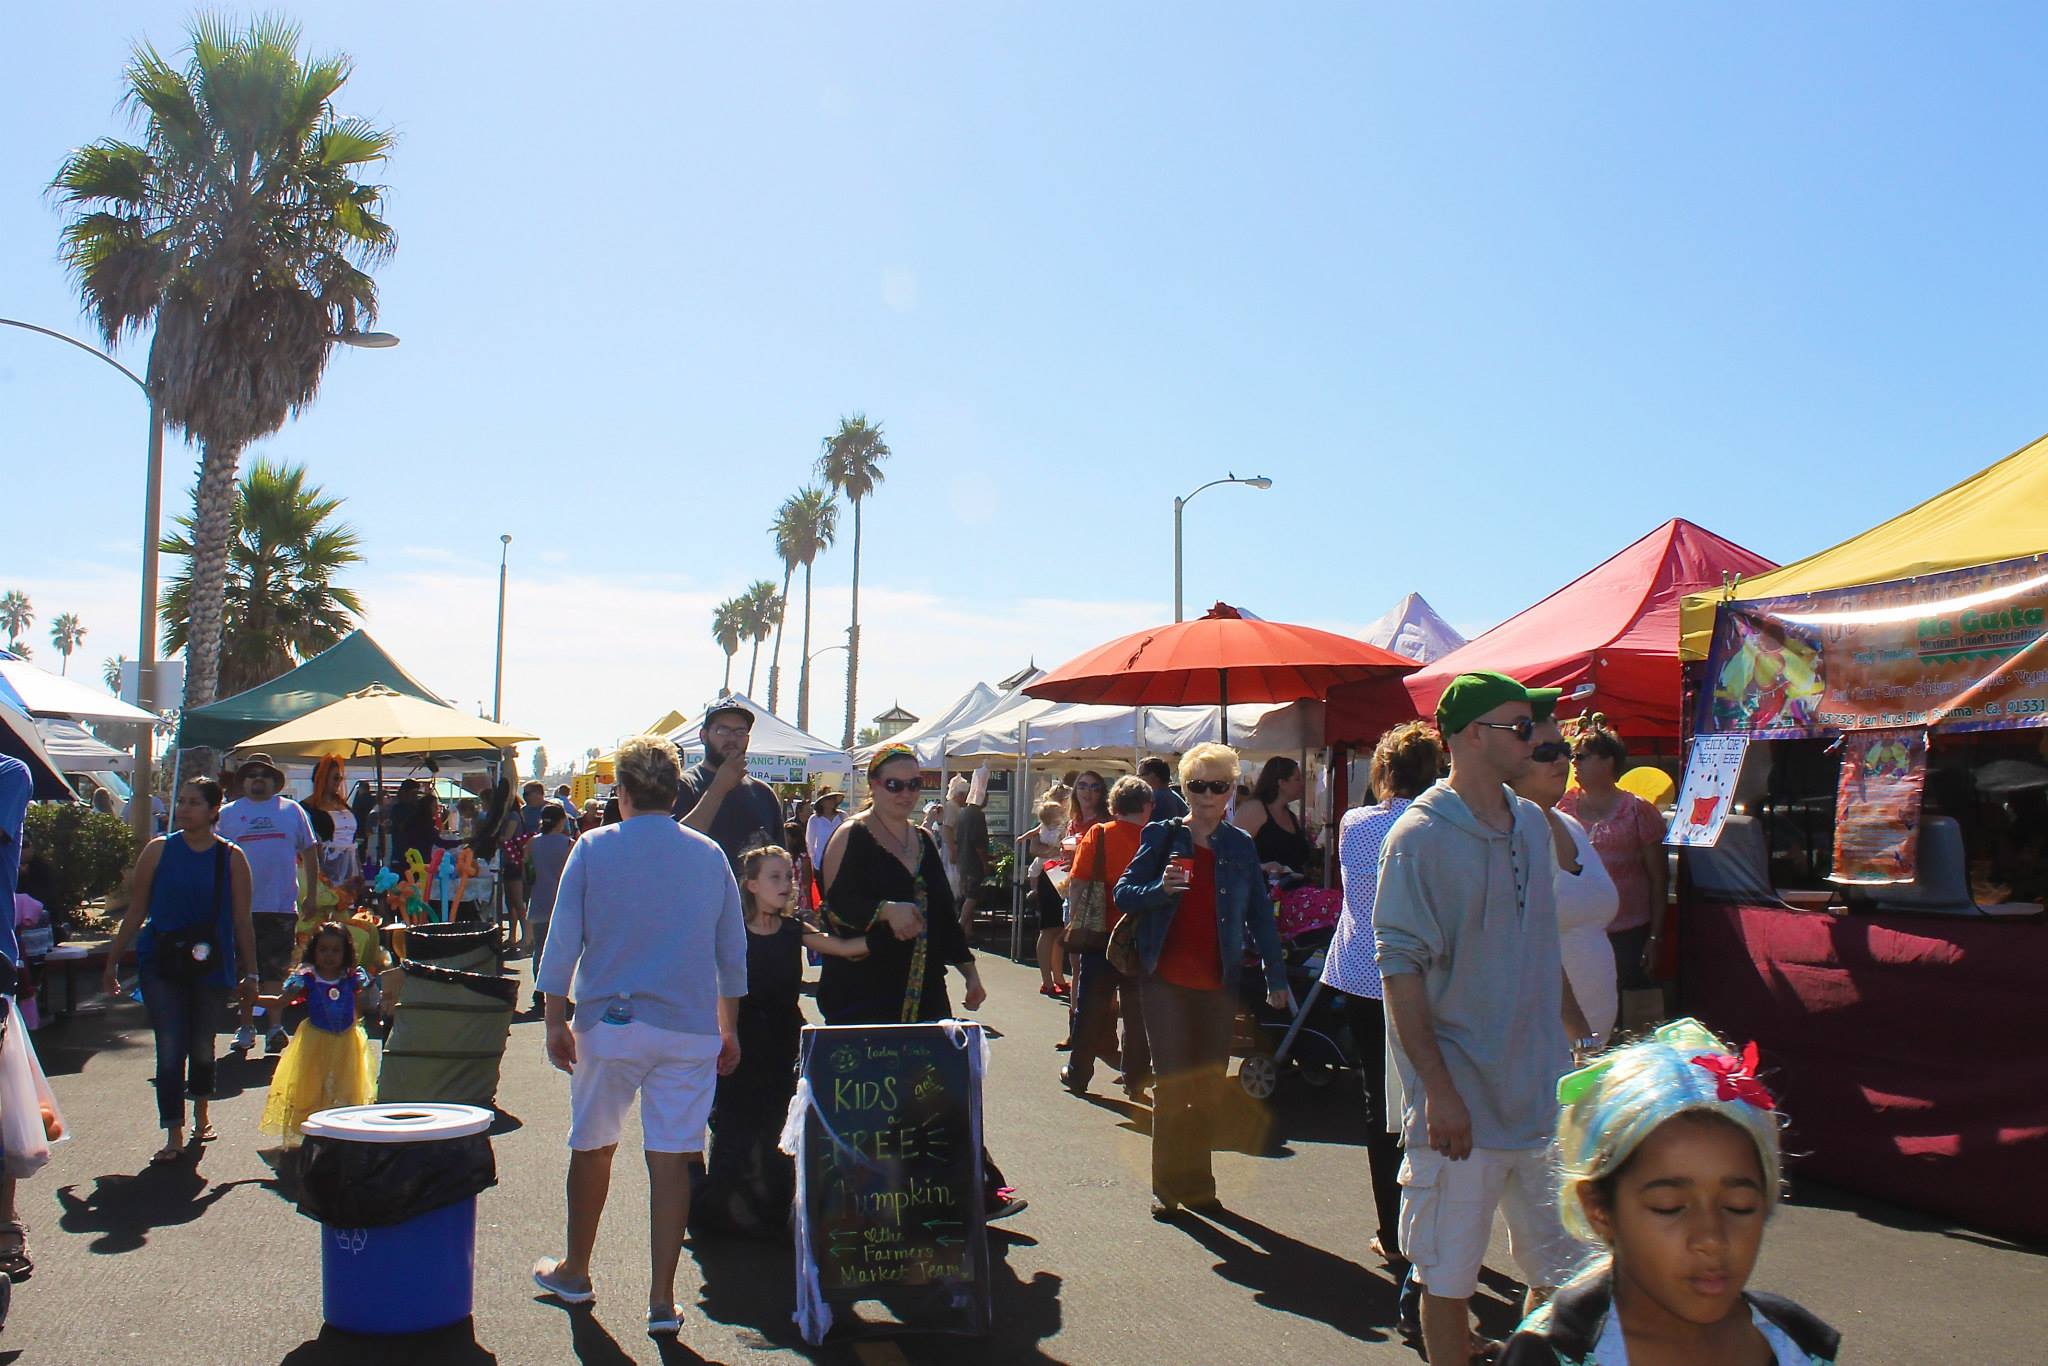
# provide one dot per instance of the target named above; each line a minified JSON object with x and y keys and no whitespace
{"x":1103,"y":854}
{"x":1192,"y":957}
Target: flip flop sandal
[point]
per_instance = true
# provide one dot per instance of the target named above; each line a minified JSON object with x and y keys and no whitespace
{"x":206,"y":1134}
{"x":164,"y":1157}
{"x":544,"y":1276}
{"x":14,"y":1258}
{"x":664,"y":1323}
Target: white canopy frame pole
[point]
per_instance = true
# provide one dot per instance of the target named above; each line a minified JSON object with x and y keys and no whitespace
{"x":1020,"y":884}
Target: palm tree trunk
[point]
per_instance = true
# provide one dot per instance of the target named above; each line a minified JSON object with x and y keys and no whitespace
{"x":213,"y":506}
{"x":775,"y":658}
{"x":853,"y":635}
{"x":803,"y":673}
{"x":753,"y":663}
{"x":725,"y":688}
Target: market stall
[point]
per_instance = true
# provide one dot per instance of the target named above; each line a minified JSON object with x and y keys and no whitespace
{"x":1869,"y":911}
{"x":349,"y":666}
{"x":777,"y":752}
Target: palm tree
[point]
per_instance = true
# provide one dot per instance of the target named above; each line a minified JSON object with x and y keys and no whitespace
{"x":17,"y":616}
{"x":280,"y":603}
{"x":760,"y":607}
{"x":852,"y":464}
{"x":728,"y":627}
{"x":236,"y":228}
{"x":784,"y":531}
{"x":110,"y":672}
{"x":67,"y":635}
{"x":814,"y":525}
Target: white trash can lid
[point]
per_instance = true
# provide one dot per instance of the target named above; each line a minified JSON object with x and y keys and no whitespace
{"x":398,"y":1122}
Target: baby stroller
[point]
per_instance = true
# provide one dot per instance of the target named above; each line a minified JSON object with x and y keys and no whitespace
{"x":1312,"y":1043}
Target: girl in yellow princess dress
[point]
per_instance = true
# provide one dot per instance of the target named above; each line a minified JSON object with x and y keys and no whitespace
{"x":327,"y":1063}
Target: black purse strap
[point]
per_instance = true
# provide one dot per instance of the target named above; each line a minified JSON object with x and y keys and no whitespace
{"x":220,"y":880}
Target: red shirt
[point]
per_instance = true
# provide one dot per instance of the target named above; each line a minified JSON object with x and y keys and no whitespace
{"x":1105,"y":851}
{"x":1191,"y":956}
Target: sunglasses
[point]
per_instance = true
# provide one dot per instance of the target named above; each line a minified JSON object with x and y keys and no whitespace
{"x":1550,"y":751}
{"x":1203,"y":787}
{"x":1087,"y":787}
{"x":1521,"y":728}
{"x":901,"y":784}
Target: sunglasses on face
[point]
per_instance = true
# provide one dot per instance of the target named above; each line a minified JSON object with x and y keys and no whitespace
{"x":901,"y":784}
{"x":1521,"y":727}
{"x":1203,"y":787}
{"x":1550,"y":751}
{"x":1087,"y":787}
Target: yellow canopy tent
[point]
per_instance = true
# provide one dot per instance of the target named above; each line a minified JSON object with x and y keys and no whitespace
{"x":2000,"y":513}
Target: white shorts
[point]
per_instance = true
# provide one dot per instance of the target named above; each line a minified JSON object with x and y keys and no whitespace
{"x":1447,"y":1217}
{"x":674,"y":1074}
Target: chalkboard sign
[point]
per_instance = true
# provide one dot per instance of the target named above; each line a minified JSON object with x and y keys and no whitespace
{"x":889,"y":1185}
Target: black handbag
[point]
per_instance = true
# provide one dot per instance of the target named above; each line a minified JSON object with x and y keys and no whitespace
{"x":188,"y":955}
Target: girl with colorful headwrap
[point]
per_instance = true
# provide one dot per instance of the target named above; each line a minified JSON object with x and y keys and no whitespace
{"x":1668,"y":1150}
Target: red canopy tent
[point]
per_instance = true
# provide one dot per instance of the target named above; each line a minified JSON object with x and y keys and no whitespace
{"x":1614,"y":628}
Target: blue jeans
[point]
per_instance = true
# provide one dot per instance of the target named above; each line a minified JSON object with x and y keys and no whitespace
{"x":1101,"y":994}
{"x":184,"y":1016}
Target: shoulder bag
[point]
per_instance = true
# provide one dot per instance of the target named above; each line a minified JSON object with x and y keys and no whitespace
{"x":187,"y":955}
{"x":1088,"y":906}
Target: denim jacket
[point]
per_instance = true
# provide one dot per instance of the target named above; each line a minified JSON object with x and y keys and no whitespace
{"x":1243,"y":905}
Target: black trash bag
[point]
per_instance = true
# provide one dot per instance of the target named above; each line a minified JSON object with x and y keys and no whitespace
{"x":433,"y":943}
{"x":371,"y":1185}
{"x":504,"y":990}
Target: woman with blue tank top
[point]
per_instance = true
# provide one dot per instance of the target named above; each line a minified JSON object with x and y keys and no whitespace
{"x":190,"y":901}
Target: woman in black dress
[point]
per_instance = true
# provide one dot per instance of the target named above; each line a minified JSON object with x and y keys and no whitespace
{"x":1285,"y":849}
{"x":886,"y":883}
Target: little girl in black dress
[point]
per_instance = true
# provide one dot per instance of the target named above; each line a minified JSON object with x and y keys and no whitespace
{"x":751,"y":1182}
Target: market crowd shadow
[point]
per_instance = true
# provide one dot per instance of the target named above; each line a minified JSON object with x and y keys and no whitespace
{"x":125,"y":1210}
{"x":455,"y":1345}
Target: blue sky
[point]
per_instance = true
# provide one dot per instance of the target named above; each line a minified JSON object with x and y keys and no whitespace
{"x":1488,"y":291}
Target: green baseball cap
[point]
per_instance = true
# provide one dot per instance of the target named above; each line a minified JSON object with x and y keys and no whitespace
{"x":1472,"y":695}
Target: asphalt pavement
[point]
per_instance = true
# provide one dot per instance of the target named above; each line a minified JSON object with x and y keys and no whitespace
{"x":210,"y":1262}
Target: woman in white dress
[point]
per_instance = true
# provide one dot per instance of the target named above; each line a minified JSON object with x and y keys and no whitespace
{"x":1586,"y":897}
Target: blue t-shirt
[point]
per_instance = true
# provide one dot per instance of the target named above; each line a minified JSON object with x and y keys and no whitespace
{"x":15,"y":787}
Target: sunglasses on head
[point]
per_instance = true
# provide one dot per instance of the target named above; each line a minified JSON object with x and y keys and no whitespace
{"x":1207,"y":787}
{"x":1521,"y":727}
{"x":901,"y":784}
{"x":1550,"y":751}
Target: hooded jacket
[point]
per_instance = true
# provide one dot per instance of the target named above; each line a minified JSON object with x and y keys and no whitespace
{"x":1473,"y":912}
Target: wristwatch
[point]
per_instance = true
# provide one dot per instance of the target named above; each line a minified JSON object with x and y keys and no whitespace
{"x":1585,"y":1045}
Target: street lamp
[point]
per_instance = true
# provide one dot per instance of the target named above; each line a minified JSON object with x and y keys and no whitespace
{"x":498,"y":683}
{"x":1257,"y":481}
{"x":139,"y":812}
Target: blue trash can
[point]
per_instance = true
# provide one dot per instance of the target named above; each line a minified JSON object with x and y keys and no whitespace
{"x":411,"y":1276}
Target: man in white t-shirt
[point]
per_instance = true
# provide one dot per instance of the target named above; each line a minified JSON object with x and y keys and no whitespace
{"x":277,"y":839}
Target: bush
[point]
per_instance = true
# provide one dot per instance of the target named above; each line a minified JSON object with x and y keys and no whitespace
{"x":89,"y":851}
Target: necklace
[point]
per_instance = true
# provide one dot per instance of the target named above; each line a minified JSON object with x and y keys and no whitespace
{"x":906,"y":851}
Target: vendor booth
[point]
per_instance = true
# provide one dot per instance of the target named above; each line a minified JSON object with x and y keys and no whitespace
{"x":777,"y":752}
{"x":1866,"y":903}
{"x":349,"y":666}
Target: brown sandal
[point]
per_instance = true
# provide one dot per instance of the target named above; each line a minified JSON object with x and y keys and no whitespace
{"x":14,"y":1258}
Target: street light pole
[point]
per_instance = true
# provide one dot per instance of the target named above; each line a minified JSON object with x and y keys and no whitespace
{"x":498,"y":683}
{"x":1257,"y":481}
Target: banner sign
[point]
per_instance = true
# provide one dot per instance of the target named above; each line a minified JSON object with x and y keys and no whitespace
{"x":1964,"y":650}
{"x":1708,"y":791}
{"x":886,"y":1132}
{"x":768,"y":768}
{"x":1877,"y":807}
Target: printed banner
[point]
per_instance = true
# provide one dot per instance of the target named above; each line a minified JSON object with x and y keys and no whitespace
{"x":1877,"y":807}
{"x":768,"y":768}
{"x":1708,"y":791}
{"x":1964,"y":650}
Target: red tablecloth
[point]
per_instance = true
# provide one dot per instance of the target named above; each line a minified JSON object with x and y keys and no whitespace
{"x":1910,"y":1052}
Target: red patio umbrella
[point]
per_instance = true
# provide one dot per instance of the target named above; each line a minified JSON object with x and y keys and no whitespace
{"x":1220,"y":657}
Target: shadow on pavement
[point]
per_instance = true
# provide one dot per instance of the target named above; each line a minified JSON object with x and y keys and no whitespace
{"x":1026,"y":1312}
{"x":594,"y":1345}
{"x":454,"y":1345}
{"x":125,"y":1210}
{"x":1293,"y":1277}
{"x":749,"y":1283}
{"x":1817,"y":1196}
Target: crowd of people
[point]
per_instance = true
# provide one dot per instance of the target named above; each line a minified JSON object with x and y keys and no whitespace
{"x":1491,"y":913}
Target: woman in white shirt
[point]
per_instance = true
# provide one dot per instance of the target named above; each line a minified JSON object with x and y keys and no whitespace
{"x":1405,"y":762}
{"x":826,"y":817}
{"x":1586,"y":896}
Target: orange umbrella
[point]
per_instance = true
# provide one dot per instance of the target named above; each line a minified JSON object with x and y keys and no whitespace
{"x":1219,"y":658}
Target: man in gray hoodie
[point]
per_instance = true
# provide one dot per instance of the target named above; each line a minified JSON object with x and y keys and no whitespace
{"x":1465,"y":925}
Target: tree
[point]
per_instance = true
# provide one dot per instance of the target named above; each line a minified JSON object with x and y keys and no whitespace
{"x":728,"y":628}
{"x":852,"y":464}
{"x":67,"y":634}
{"x":280,"y":603}
{"x":760,"y":605}
{"x":16,"y":615}
{"x":784,"y":532}
{"x":540,"y":761}
{"x":110,"y":672}
{"x":813,"y":515}
{"x":237,"y":229}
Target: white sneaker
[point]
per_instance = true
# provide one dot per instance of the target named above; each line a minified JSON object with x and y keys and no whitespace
{"x":275,"y":1041}
{"x":245,"y":1039}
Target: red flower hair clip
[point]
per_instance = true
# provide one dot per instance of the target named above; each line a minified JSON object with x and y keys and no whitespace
{"x":1738,"y":1079}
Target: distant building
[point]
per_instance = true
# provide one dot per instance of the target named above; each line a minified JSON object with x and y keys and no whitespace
{"x":893,"y":722}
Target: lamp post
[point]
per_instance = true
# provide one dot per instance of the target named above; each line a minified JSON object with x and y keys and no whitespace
{"x":1257,"y":481}
{"x":498,"y":682}
{"x":139,"y":812}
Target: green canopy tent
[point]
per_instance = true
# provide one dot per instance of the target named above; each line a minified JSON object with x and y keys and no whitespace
{"x":348,"y":667}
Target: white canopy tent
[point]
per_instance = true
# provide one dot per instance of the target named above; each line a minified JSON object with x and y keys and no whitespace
{"x":930,"y":737}
{"x":1411,"y":627}
{"x":76,"y":750}
{"x":777,"y":752}
{"x":41,"y":693}
{"x":1053,"y":730}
